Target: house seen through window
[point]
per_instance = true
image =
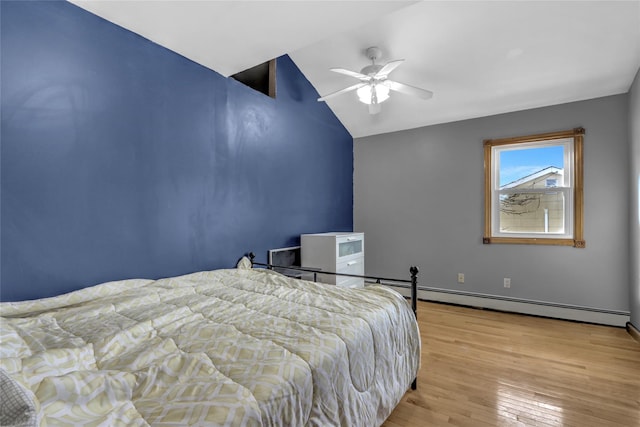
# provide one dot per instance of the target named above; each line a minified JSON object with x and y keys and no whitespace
{"x":533,"y":189}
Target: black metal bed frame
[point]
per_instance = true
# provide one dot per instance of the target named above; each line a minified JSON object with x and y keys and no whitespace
{"x":400,"y":283}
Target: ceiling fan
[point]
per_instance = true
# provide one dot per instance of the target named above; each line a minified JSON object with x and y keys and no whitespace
{"x":374,"y":85}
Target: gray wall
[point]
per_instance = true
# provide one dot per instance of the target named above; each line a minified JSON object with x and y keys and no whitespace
{"x":634,"y":192}
{"x":418,"y":196}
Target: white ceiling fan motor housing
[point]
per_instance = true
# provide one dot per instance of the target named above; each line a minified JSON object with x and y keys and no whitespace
{"x":371,"y":70}
{"x":373,"y":53}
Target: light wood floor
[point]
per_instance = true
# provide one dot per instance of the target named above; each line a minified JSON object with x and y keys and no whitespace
{"x":486,"y":368}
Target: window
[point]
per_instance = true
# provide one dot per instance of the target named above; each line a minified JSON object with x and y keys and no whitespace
{"x":534,"y":189}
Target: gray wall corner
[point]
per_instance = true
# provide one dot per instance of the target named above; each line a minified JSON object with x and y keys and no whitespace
{"x":634,"y":201}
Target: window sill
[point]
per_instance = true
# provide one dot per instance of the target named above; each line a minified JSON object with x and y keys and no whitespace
{"x":534,"y":241}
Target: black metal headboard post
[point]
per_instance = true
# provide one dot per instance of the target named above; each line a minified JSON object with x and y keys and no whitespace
{"x":414,"y":306}
{"x":414,"y":289}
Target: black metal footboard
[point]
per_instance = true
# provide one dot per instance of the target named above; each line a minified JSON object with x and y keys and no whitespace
{"x":400,"y":283}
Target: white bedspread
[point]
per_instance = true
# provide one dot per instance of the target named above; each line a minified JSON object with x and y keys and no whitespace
{"x":236,"y":347}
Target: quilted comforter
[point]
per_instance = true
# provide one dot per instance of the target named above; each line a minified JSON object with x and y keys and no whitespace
{"x":233,"y":347}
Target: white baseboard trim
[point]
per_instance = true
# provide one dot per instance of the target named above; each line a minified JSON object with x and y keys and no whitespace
{"x":514,"y":305}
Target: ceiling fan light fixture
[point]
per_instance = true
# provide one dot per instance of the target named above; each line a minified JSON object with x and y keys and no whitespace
{"x":374,"y":86}
{"x":366,"y":95}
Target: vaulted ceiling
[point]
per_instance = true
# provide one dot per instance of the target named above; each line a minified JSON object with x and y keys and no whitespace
{"x":478,"y":57}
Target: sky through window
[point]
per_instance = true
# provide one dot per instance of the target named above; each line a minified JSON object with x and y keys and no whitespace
{"x":516,"y":164}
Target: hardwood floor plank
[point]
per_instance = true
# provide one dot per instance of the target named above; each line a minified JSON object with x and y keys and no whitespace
{"x":486,"y":368}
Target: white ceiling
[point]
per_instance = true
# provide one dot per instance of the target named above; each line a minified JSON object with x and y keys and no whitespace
{"x":478,"y":57}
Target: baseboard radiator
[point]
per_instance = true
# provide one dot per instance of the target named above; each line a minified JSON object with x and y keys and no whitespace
{"x":523,"y":306}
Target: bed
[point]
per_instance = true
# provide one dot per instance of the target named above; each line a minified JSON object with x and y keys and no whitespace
{"x":229,"y":347}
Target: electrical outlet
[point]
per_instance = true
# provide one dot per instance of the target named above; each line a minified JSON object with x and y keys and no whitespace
{"x":507,"y":282}
{"x":460,"y":277}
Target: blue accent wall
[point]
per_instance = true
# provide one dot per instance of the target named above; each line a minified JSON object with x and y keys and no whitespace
{"x":122,"y":159}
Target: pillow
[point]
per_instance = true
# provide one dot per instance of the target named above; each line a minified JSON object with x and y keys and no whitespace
{"x":18,"y":407}
{"x":244,"y":264}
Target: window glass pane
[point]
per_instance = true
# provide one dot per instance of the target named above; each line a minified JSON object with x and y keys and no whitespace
{"x":531,"y":167}
{"x":532,"y":212}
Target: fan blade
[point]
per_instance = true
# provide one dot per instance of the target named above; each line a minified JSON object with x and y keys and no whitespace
{"x":408,"y":90}
{"x":341,"y":91}
{"x":351,"y":73}
{"x":388,"y":67}
{"x":375,"y":108}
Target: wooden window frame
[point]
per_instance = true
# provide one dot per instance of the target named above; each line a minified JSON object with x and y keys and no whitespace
{"x":577,"y":239}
